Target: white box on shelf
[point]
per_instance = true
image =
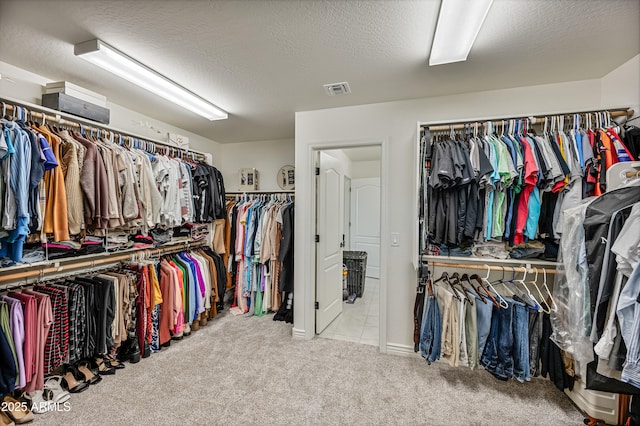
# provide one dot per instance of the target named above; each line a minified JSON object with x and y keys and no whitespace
{"x":77,"y":92}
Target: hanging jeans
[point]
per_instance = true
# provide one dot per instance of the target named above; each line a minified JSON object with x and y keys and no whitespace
{"x":431,"y":336}
{"x":498,"y":352}
{"x":521,"y":367}
{"x":483,"y":314}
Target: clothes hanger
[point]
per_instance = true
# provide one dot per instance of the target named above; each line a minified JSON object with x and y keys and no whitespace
{"x":521,"y":282}
{"x":542,"y":302}
{"x":504,"y":283}
{"x":553,"y":305}
{"x":480,"y":289}
{"x":517,"y":297}
{"x":445,"y":277}
{"x":465,"y":292}
{"x":502,"y":302}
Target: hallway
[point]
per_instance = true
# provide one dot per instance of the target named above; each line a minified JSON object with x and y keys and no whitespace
{"x":360,"y":322}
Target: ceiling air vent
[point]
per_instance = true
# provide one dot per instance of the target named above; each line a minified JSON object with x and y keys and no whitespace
{"x":336,"y":89}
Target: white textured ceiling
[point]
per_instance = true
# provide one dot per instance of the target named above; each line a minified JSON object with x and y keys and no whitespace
{"x":263,"y":60}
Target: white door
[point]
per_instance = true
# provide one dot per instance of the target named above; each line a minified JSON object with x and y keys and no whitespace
{"x":329,"y":228}
{"x":365,"y":221}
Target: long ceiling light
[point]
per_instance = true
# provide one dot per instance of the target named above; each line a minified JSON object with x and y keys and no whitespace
{"x":459,"y":23}
{"x":101,"y":54}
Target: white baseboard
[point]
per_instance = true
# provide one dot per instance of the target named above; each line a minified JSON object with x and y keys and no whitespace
{"x":298,"y":333}
{"x":401,"y":350}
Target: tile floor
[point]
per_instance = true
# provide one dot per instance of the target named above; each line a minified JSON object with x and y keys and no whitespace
{"x":359,"y":322}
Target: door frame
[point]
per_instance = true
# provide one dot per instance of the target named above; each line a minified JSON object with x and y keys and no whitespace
{"x":305,"y":287}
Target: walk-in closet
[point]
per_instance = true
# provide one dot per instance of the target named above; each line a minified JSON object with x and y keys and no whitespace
{"x":320,"y":212}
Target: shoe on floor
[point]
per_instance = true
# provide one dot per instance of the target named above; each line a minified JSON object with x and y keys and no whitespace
{"x":17,"y":410}
{"x":40,"y":400}
{"x":58,"y":394}
{"x":71,"y":381}
{"x":113,"y":362}
{"x":90,"y":376}
{"x":5,"y":420}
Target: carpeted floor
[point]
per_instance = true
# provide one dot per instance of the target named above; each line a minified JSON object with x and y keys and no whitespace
{"x":240,"y":371}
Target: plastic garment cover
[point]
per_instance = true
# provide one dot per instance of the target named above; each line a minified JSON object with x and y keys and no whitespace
{"x":571,"y":322}
{"x":596,"y":224}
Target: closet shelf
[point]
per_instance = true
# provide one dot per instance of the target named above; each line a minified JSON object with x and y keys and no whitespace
{"x":12,"y":274}
{"x":51,"y":115}
{"x":479,"y":262}
{"x":470,"y":124}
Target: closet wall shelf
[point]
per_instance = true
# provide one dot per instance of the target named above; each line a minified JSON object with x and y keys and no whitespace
{"x":456,"y":125}
{"x":478,"y":263}
{"x":45,"y":269}
{"x":34,"y":111}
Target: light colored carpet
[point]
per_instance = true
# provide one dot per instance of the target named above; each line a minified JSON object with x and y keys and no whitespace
{"x":240,"y":371}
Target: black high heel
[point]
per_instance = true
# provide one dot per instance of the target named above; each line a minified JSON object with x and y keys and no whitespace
{"x":71,"y":381}
{"x":90,"y":376}
{"x":113,"y":362}
{"x":103,"y":369}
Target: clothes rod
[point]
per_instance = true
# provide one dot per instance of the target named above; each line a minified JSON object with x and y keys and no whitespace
{"x":508,"y":268}
{"x":111,"y":259}
{"x":73,"y":121}
{"x":258,"y":192}
{"x":502,"y":121}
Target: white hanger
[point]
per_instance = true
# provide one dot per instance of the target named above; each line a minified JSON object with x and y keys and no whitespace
{"x":554,"y":307}
{"x":542,"y":303}
{"x":503,"y":303}
{"x":522,"y":281}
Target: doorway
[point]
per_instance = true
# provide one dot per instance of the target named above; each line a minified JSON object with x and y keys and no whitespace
{"x":348,"y":195}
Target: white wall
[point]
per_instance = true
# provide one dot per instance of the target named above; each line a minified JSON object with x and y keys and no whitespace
{"x":395,"y":123}
{"x":345,"y":165}
{"x":365,"y":169}
{"x":621,"y":87}
{"x":266,"y":156}
{"x":22,"y":85}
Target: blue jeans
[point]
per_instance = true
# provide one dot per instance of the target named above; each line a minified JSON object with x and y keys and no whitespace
{"x":498,"y":352}
{"x":431,"y":331}
{"x":521,"y":367}
{"x":483,"y":312}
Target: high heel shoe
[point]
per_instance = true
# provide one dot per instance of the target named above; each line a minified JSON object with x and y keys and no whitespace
{"x":89,"y":375}
{"x":71,"y":382}
{"x":110,"y":360}
{"x":17,"y":411}
{"x":103,"y":369}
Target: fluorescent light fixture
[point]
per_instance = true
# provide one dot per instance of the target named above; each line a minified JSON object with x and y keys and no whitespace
{"x":101,"y":54}
{"x":458,"y":26}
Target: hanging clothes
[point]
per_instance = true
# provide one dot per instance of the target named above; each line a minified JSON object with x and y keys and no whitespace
{"x":90,"y":315}
{"x":69,"y":193}
{"x":260,"y":255}
{"x":502,"y":195}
